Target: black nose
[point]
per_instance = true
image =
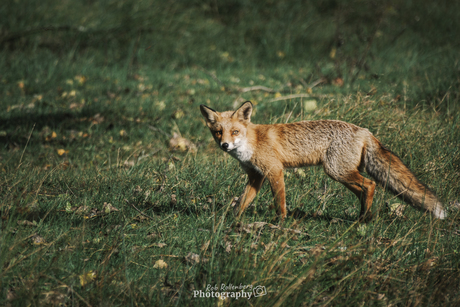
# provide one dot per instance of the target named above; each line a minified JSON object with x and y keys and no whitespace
{"x":225,"y":146}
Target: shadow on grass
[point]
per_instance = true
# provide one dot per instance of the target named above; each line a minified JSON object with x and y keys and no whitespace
{"x":19,"y":126}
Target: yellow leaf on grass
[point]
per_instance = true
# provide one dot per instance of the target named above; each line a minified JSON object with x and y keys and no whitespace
{"x":87,"y":278}
{"x":80,"y":79}
{"x":309,"y":105}
{"x":160,"y":264}
{"x":108,"y":207}
{"x":53,"y":135}
{"x":301,"y":172}
{"x":62,"y":152}
{"x":332,"y":53}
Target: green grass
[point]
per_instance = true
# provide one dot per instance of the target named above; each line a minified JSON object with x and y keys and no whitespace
{"x":92,"y":93}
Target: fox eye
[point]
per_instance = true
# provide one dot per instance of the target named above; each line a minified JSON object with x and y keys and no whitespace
{"x":235,"y":132}
{"x":218,"y":133}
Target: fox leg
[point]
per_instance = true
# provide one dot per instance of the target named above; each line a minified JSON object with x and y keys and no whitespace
{"x":276,"y":179}
{"x":364,"y":189}
{"x":255,"y":181}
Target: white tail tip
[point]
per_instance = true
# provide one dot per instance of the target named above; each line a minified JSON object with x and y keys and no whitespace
{"x":439,"y":212}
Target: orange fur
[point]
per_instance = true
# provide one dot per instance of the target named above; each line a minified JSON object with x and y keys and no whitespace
{"x":343,"y":149}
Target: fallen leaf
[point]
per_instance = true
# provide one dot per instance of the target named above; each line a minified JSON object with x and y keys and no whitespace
{"x":228,"y":246}
{"x":300,"y":172}
{"x":27,"y":223}
{"x":76,"y":105}
{"x":381,"y":296}
{"x":397,"y":209}
{"x":318,"y":249}
{"x":97,"y":119}
{"x":137,"y":190}
{"x":94,"y":213}
{"x":205,"y":245}
{"x":151,"y":235}
{"x":178,"y":114}
{"x":81,"y":209}
{"x":87,"y":278}
{"x":332,"y":53}
{"x":53,"y":298}
{"x":62,"y":152}
{"x":268,"y":246}
{"x":38,"y":240}
{"x":107,"y":207}
{"x":129,"y":163}
{"x":309,"y":105}
{"x":80,"y":79}
{"x":285,"y":245}
{"x":160,"y":264}
{"x":428,"y":264}
{"x":192,"y":258}
{"x":11,"y":294}
{"x":180,"y":143}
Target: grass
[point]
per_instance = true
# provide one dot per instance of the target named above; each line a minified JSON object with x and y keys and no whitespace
{"x":103,"y":202}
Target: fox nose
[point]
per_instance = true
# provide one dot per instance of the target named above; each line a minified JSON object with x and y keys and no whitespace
{"x":224,"y":146}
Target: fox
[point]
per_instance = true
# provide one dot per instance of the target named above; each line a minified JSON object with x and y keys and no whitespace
{"x":344,"y":150}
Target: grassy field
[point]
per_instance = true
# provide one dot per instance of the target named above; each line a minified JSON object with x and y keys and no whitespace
{"x":113,"y":192}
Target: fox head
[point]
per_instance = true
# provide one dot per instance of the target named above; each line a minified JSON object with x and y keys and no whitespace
{"x":228,"y":128}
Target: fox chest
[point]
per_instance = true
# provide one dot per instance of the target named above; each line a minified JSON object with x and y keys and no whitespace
{"x":242,"y":153}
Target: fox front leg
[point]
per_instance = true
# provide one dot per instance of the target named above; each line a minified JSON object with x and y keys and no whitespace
{"x":255,"y":181}
{"x":276,"y":178}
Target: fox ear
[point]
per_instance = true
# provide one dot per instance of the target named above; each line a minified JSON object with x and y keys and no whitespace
{"x":244,"y":112}
{"x":209,"y":114}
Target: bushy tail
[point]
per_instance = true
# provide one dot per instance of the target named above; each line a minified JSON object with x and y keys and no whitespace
{"x":388,"y":170}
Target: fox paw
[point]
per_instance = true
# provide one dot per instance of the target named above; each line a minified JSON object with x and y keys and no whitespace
{"x":365,"y":217}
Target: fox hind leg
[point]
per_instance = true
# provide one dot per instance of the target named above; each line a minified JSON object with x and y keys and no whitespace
{"x":343,"y":165}
{"x":364,"y":189}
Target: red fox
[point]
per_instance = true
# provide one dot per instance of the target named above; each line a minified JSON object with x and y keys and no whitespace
{"x":343,"y":149}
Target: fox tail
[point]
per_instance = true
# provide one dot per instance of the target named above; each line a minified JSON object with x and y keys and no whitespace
{"x":388,"y":170}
